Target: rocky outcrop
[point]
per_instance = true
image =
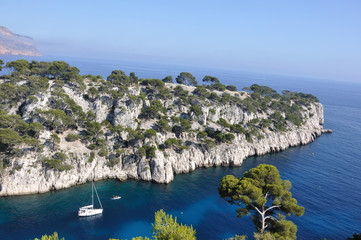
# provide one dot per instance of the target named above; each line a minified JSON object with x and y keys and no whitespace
{"x":25,"y":175}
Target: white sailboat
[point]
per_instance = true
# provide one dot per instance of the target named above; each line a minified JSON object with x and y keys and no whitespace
{"x":90,"y":210}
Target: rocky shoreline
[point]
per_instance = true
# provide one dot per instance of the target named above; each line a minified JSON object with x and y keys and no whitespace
{"x":32,"y":178}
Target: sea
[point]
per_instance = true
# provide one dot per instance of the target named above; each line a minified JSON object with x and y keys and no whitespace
{"x":325,"y":174}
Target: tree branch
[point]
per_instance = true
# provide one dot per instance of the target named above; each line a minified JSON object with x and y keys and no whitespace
{"x":271,"y":208}
{"x":256,"y":209}
{"x":266,"y":195}
{"x":271,"y":217}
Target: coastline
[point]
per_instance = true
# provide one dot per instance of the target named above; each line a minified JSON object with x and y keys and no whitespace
{"x":161,"y":168}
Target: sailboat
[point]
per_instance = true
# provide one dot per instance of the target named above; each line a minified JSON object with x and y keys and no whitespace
{"x":90,"y":210}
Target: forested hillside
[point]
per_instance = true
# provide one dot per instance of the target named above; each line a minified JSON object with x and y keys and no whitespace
{"x":53,"y":120}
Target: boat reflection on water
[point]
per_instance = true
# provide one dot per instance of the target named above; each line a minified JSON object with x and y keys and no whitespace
{"x":94,"y":218}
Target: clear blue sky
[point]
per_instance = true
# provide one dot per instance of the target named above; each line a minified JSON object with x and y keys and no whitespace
{"x":314,"y":38}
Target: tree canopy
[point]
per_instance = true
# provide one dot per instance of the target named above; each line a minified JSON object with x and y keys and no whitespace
{"x":210,"y":79}
{"x":19,"y":65}
{"x":61,"y":69}
{"x":118,"y":77}
{"x":187,"y":79}
{"x":168,"y":79}
{"x":263,"y":193}
{"x":50,"y":237}
{"x":167,"y":228}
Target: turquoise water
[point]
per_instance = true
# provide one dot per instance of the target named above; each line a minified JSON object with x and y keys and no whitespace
{"x":327,"y":184}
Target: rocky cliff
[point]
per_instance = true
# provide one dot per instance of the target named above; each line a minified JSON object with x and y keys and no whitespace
{"x":135,"y":137}
{"x":14,"y":44}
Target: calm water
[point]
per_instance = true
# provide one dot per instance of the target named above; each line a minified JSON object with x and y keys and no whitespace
{"x":327,"y":184}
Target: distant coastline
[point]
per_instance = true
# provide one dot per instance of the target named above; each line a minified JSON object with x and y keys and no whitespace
{"x":16,"y":45}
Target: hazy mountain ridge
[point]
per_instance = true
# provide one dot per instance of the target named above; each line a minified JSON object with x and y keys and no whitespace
{"x":15,"y":44}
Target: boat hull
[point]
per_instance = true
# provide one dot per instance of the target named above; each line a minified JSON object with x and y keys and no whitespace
{"x":89,"y":212}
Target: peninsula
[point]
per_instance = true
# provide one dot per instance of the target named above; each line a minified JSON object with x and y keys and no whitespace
{"x":59,"y":129}
{"x":15,"y":44}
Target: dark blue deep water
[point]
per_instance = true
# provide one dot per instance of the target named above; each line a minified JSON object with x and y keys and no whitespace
{"x":327,"y":183}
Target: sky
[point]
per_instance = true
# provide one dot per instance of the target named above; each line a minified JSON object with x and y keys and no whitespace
{"x":309,"y":38}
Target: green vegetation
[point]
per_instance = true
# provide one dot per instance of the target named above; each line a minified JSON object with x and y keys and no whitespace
{"x":355,"y":236}
{"x":167,"y":228}
{"x":72,"y":137}
{"x":43,"y":98}
{"x":119,"y":78}
{"x":184,"y":126}
{"x":196,"y":110}
{"x":55,"y":119}
{"x":154,"y":110}
{"x":91,"y":157}
{"x":219,"y":136}
{"x":168,"y":79}
{"x":263,"y":193}
{"x":50,"y":237}
{"x":57,"y":162}
{"x":210,"y":79}
{"x":187,"y":79}
{"x":163,"y":125}
{"x":149,"y":133}
{"x":231,"y":88}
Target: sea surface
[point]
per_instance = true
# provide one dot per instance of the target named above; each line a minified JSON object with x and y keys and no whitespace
{"x":326,"y":175}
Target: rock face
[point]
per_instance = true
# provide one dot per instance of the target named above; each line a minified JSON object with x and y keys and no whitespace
{"x":14,"y":44}
{"x":25,"y":175}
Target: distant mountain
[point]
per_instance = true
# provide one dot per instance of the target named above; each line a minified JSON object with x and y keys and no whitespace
{"x":14,"y":44}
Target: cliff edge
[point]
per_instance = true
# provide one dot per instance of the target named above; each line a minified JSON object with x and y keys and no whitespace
{"x":79,"y":127}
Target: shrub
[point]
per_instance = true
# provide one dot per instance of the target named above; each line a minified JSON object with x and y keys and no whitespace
{"x":154,"y":110}
{"x":168,"y":79}
{"x":140,"y":153}
{"x":231,"y":88}
{"x":208,"y":144}
{"x":196,"y":110}
{"x":214,"y":97}
{"x":185,"y":125}
{"x":72,"y":137}
{"x":219,"y":86}
{"x":212,"y":111}
{"x":238,"y":128}
{"x":93,"y":147}
{"x":56,"y":164}
{"x":201,"y":91}
{"x":9,"y":138}
{"x":60,"y":156}
{"x":202,"y":135}
{"x":150,"y":151}
{"x":162,"y":126}
{"x":150,"y":133}
{"x":113,"y":161}
{"x":50,"y":237}
{"x":170,"y":142}
{"x":103,"y":152}
{"x":223,"y":123}
{"x":91,"y":157}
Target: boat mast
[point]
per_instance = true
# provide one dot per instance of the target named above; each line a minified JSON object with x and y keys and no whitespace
{"x":92,"y":194}
{"x":98,"y":197}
